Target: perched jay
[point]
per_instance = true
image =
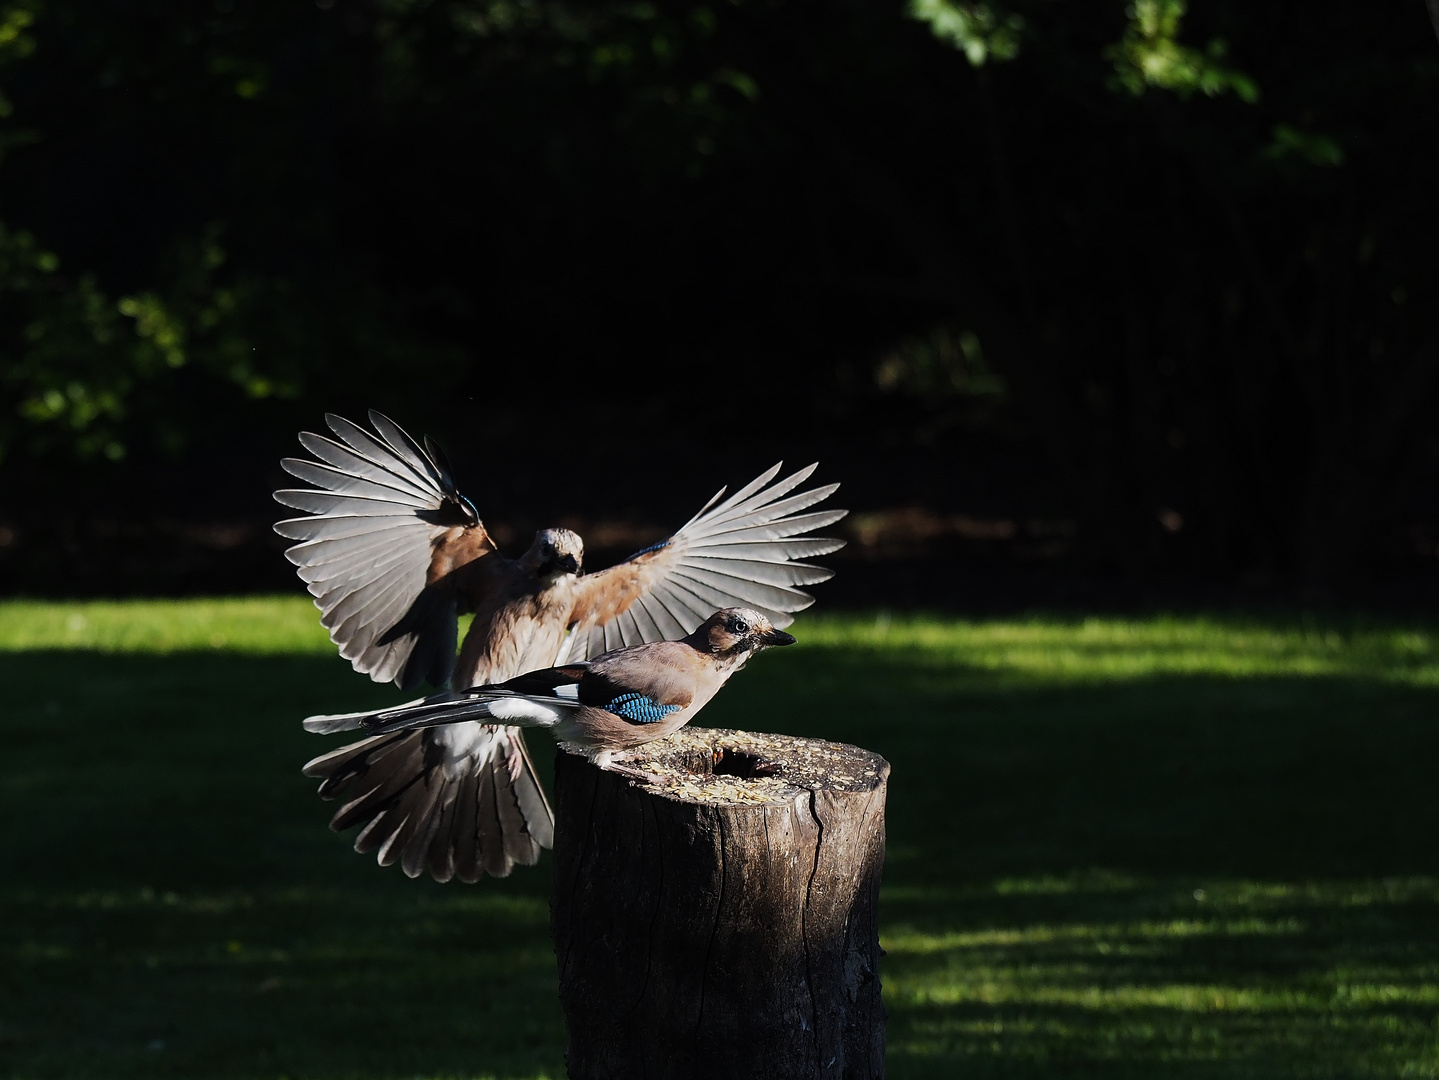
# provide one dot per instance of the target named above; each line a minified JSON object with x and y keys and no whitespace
{"x":393,"y":554}
{"x":600,"y":708}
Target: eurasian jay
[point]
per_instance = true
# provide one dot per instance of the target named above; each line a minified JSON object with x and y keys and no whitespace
{"x":393,"y":554}
{"x":600,"y":708}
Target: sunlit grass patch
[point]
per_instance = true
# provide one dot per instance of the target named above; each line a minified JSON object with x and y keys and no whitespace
{"x":1056,"y":649}
{"x":258,"y":625}
{"x":1041,"y":648}
{"x":1118,"y":938}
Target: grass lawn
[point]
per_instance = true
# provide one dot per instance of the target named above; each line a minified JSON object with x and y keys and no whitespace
{"x":1178,"y":847}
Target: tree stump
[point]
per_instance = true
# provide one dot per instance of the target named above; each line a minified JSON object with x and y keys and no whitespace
{"x":724,"y":924}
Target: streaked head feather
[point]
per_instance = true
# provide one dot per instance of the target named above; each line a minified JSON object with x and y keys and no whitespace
{"x":554,"y":553}
{"x":737,"y":632}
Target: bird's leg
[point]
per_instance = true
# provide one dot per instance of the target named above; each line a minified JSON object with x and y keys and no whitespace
{"x":516,"y":757}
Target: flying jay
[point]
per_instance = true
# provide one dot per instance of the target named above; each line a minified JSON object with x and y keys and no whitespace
{"x":601,"y":708}
{"x":394,"y":554}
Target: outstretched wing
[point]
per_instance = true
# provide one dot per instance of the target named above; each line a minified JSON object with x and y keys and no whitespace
{"x":742,"y":551}
{"x":386,"y":527}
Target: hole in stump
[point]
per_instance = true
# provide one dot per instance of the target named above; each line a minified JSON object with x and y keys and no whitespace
{"x":740,"y":764}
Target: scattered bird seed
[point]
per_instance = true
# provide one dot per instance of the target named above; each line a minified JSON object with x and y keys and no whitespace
{"x":754,"y":768}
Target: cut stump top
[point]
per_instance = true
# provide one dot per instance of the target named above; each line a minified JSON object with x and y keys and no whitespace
{"x":720,"y":767}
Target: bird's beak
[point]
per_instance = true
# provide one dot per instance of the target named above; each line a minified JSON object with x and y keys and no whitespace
{"x":570,"y":564}
{"x":776,"y":637}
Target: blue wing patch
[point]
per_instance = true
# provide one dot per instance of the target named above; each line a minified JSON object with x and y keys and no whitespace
{"x":638,"y":709}
{"x":652,"y":547}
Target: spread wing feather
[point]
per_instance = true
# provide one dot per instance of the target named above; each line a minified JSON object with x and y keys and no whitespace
{"x":438,"y":854}
{"x":323,"y":528}
{"x":365,"y":486}
{"x":680,"y":599}
{"x":315,"y":556}
{"x":737,"y":550}
{"x":466,"y":844}
{"x":706,"y":513}
{"x":756,"y":594}
{"x":406,"y":447}
{"x":530,"y":794}
{"x":486,"y":813}
{"x":330,"y":504}
{"x":667,"y":625}
{"x":785,"y":527}
{"x":611,"y":636}
{"x":637,"y":621}
{"x":355,"y":464}
{"x":770,"y":573}
{"x":515,"y":840}
{"x":375,"y":602}
{"x":380,"y":452}
{"x":773,"y":552}
{"x":769,"y":502}
{"x":379,"y":504}
{"x":489,"y":834}
{"x":399,"y":842}
{"x":338,"y":563}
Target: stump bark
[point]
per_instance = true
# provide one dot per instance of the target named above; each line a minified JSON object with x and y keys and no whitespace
{"x":723,"y":924}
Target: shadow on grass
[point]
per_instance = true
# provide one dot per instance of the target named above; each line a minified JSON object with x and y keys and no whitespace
{"x":174,"y":904}
{"x":1177,"y":875}
{"x":1197,"y":876}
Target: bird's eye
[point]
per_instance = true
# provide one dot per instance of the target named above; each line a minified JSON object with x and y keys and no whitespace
{"x":737,"y":626}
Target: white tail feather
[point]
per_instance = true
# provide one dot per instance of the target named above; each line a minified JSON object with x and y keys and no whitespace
{"x":525,"y":712}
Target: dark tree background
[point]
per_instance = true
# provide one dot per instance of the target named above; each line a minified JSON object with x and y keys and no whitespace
{"x":1131,"y":294}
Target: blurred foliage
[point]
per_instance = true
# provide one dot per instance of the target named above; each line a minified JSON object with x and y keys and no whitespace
{"x":977,"y":30}
{"x":1203,"y":305}
{"x":82,"y":360}
{"x":1149,"y":55}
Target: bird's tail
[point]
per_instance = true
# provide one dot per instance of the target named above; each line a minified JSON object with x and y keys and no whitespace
{"x":450,"y":707}
{"x":423,"y":806}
